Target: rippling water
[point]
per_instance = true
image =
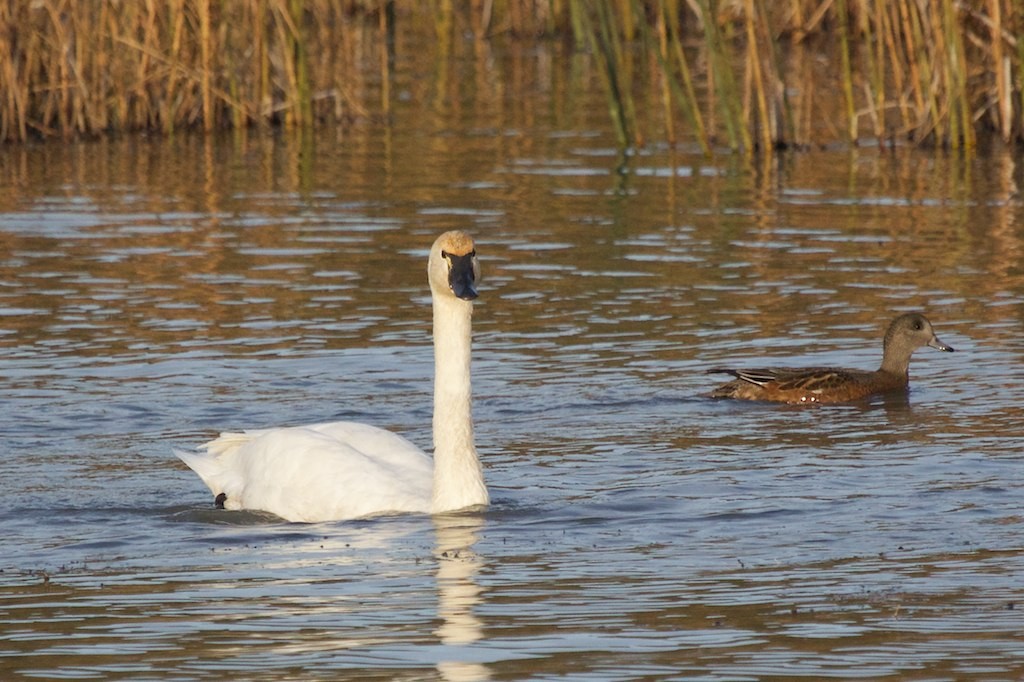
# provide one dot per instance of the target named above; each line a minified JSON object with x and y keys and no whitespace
{"x":155,"y":292}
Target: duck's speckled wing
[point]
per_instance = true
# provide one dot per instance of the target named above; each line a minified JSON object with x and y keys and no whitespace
{"x":808,"y":379}
{"x":794,"y":384}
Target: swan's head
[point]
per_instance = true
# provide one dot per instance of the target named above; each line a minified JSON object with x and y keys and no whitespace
{"x":453,"y":267}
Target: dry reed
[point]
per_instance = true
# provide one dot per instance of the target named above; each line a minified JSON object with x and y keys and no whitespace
{"x":745,"y":74}
{"x":71,"y":68}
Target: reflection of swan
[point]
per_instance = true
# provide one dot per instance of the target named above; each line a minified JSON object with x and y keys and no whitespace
{"x":345,"y":470}
{"x":458,"y":594}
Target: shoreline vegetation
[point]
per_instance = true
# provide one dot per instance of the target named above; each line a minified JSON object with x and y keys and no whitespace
{"x":744,"y":75}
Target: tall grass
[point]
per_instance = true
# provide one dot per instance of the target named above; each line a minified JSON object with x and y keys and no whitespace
{"x":929,"y":72}
{"x":742,"y":74}
{"x":72,"y":68}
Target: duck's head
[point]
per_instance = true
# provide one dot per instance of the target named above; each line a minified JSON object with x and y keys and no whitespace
{"x":453,"y":268}
{"x":909,"y":332}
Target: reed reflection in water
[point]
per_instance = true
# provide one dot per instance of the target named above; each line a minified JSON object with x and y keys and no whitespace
{"x":151,"y":293}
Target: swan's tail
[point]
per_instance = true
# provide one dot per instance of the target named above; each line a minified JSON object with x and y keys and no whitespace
{"x":204,"y":464}
{"x":229,"y":441}
{"x":212,"y":464}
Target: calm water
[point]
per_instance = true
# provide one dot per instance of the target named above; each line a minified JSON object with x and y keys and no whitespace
{"x":155,"y":292}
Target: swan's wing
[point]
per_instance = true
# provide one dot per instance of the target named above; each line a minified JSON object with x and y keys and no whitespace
{"x":316,"y":473}
{"x":386,"y":446}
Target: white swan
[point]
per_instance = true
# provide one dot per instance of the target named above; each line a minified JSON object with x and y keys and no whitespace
{"x":346,"y":470}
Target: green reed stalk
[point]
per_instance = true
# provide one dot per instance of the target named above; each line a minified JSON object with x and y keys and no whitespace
{"x":908,"y":51}
{"x":949,"y":102}
{"x":578,"y":22}
{"x":600,"y":38}
{"x":721,"y":74}
{"x":754,"y":80}
{"x":787,"y":125}
{"x":1004,"y":106}
{"x":624,"y":60}
{"x":205,"y":67}
{"x":667,"y":80}
{"x":301,"y":95}
{"x":944,"y":124}
{"x":688,"y":95}
{"x":874,"y":55}
{"x":961,"y":104}
{"x":929,"y":115}
{"x":621,"y":14}
{"x":774,"y":119}
{"x":846,"y":72}
{"x":262,"y":105}
{"x":892,"y":55}
{"x":670,"y":54}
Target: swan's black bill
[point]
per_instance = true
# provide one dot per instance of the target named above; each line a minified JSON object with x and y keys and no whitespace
{"x":461,"y":277}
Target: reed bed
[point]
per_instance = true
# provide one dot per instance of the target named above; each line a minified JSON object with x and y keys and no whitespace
{"x":741,"y":74}
{"x":71,"y":68}
{"x":768,"y":75}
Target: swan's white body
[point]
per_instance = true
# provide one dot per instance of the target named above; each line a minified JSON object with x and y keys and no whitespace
{"x":346,"y":470}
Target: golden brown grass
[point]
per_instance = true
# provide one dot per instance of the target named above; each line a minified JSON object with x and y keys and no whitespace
{"x":937,"y":72}
{"x":744,"y":74}
{"x":71,"y":68}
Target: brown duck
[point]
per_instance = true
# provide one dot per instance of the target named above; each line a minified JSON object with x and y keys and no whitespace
{"x":906,"y":333}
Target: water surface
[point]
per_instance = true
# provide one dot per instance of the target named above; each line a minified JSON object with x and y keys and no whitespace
{"x":155,"y":292}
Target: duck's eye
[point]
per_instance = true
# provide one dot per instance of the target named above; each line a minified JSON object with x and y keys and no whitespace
{"x":918,"y":326}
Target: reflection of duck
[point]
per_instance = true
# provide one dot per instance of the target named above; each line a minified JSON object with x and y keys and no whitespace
{"x":458,"y":593}
{"x":906,"y":334}
{"x":345,"y":470}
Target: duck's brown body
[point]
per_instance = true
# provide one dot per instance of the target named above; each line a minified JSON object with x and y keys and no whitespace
{"x":807,"y":384}
{"x":906,"y":334}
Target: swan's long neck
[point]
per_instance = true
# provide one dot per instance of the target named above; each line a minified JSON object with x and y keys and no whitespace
{"x":458,"y":476}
